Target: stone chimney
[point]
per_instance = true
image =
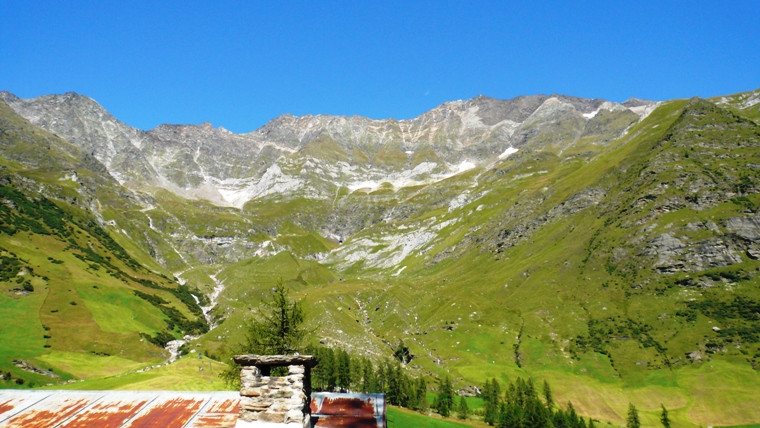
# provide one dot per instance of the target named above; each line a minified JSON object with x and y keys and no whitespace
{"x":271,"y":401}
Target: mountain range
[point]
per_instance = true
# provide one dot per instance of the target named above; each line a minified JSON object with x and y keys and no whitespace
{"x":610,"y":248}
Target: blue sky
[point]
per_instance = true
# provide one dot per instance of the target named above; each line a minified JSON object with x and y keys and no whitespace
{"x":240,"y":64}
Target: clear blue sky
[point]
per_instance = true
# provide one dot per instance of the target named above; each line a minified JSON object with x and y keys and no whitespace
{"x":240,"y":64}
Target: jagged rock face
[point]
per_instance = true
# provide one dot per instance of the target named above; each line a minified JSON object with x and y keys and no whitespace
{"x":313,"y":156}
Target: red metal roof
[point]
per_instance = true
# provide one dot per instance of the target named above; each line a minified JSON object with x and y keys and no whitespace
{"x":116,"y":409}
{"x":333,"y":410}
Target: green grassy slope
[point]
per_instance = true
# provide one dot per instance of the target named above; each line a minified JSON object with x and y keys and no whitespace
{"x":556,"y":273}
{"x":74,"y":302}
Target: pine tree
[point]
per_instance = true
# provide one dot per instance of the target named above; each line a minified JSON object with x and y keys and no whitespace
{"x":559,"y":419}
{"x":423,"y":406}
{"x":510,"y":397}
{"x":510,"y":416}
{"x":535,"y":415}
{"x":591,"y":423}
{"x":520,"y":392}
{"x":445,"y":401}
{"x":367,"y":375}
{"x":530,"y":388}
{"x":491,"y":402}
{"x":413,"y":401}
{"x":343,"y":370}
{"x":572,"y":416}
{"x":278,"y":330}
{"x":633,"y":417}
{"x":393,"y":388}
{"x":330,"y":369}
{"x":381,"y":378}
{"x":548,"y":395}
{"x":463,"y":412}
{"x":664,"y":419}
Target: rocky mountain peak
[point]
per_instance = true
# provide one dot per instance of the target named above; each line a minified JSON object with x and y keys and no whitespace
{"x":200,"y":160}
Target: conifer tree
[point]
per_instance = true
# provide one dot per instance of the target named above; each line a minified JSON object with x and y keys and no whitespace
{"x":530,"y":389}
{"x":633,"y":417}
{"x":491,"y":402}
{"x":572,"y":416}
{"x":510,"y":416}
{"x":342,"y":370}
{"x":559,"y":419}
{"x":535,"y":415}
{"x":381,"y":378}
{"x":510,"y":397}
{"x":664,"y":419}
{"x":463,"y":411}
{"x":329,"y":369}
{"x":367,"y":375}
{"x":591,"y":423}
{"x":422,"y":402}
{"x":277,"y":330}
{"x":445,"y":401}
{"x":520,"y":392}
{"x":548,"y":395}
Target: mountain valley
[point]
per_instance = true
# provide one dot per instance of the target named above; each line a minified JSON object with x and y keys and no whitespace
{"x":610,"y":248}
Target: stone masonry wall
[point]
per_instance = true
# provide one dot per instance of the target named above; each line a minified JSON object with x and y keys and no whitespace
{"x":274,"y":400}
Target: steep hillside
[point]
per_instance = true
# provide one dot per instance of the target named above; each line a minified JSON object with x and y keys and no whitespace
{"x":74,"y":303}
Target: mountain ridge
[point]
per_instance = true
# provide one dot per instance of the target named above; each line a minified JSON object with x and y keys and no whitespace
{"x":451,"y":135}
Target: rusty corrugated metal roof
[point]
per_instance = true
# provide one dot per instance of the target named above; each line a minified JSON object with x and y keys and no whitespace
{"x":333,"y":410}
{"x":117,"y":409}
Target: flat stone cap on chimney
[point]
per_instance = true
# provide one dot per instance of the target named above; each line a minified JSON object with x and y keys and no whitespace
{"x":275,"y":360}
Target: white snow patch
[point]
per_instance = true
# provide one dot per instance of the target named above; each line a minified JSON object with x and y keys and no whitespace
{"x":510,"y":150}
{"x":591,"y":115}
{"x":398,"y":272}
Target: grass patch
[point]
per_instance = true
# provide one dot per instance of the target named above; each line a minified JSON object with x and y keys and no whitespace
{"x":403,"y":418}
{"x":184,"y":374}
{"x":86,"y":366}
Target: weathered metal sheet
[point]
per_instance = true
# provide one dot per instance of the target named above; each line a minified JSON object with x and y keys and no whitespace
{"x":11,"y":403}
{"x":50,"y":411}
{"x":219,"y":412}
{"x":218,"y":420}
{"x":168,"y":412}
{"x":348,"y":410}
{"x":118,"y":409}
{"x":108,"y":412}
{"x":225,"y":405}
